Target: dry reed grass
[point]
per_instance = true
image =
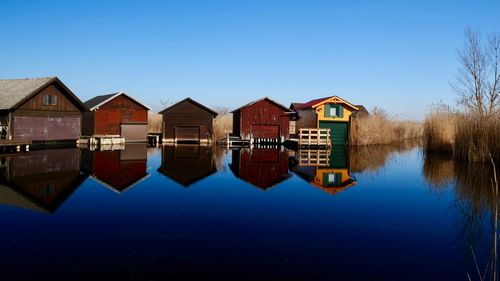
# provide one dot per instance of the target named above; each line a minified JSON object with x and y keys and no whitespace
{"x":154,"y":123}
{"x":223,"y":124}
{"x":469,"y":137}
{"x":378,"y":128}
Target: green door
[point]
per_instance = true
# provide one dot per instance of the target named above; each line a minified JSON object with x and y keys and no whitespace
{"x":338,"y":131}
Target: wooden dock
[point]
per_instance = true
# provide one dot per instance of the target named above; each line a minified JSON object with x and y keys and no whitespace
{"x":314,"y":137}
{"x":9,"y":146}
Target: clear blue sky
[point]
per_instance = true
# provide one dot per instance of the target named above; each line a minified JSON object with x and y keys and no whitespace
{"x":399,"y":55}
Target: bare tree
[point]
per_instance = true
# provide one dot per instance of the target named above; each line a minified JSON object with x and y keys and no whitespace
{"x":478,"y":80}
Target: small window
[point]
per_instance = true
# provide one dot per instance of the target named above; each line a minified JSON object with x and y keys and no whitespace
{"x":333,"y":111}
{"x":49,"y":100}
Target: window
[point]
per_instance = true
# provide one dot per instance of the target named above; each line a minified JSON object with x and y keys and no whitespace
{"x":49,"y":100}
{"x":334,"y":110}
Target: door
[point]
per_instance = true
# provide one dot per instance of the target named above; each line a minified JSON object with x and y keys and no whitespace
{"x":338,"y":131}
{"x":265,"y":131}
{"x":187,"y":133}
{"x":134,"y":132}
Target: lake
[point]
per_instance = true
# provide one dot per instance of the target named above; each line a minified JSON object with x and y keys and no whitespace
{"x":198,"y":213}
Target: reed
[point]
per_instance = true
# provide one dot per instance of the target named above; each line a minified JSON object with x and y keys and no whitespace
{"x":467,"y":136}
{"x":223,"y":124}
{"x":378,"y":128}
{"x":154,"y":123}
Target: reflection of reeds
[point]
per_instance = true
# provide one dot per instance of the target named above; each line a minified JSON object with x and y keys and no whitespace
{"x":370,"y":158}
{"x":439,"y":171}
{"x":219,"y":156}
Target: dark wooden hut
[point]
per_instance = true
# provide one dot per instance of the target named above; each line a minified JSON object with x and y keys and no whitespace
{"x":263,"y":168}
{"x":188,"y":121}
{"x":116,"y":115}
{"x":262,"y":119}
{"x":118,"y":170}
{"x":41,"y":180}
{"x":187,"y":164}
{"x":39,"y":109}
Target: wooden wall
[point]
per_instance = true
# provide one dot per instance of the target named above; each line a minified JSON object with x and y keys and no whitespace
{"x":108,"y":117}
{"x":263,"y":112}
{"x":36,"y":102}
{"x":188,"y":114}
{"x":307,"y":119}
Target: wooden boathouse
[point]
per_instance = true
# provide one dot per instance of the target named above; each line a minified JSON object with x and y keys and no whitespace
{"x":38,"y":110}
{"x":115,"y":118}
{"x":188,"y":122}
{"x":331,"y":113}
{"x":263,"y":121}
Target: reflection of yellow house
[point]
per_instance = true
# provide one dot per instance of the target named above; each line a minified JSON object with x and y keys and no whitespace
{"x":327,"y":170}
{"x":333,"y":181}
{"x":331,"y":113}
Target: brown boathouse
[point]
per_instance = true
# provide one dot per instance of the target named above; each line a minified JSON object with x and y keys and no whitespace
{"x":188,"y":121}
{"x":116,"y":116}
{"x":39,"y":109}
{"x":262,"y":121}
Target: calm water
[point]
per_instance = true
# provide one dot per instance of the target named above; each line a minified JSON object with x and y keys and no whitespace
{"x":193,"y":213}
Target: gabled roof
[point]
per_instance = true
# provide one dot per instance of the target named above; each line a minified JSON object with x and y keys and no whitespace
{"x":265,"y":98}
{"x":317,"y":102}
{"x":96,"y":102}
{"x":14,"y":92}
{"x":191,"y":101}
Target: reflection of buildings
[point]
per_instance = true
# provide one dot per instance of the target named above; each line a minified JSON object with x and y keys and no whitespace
{"x":40,"y":180}
{"x":118,"y":169}
{"x":187,"y":164}
{"x":325,"y":169}
{"x":263,"y":168}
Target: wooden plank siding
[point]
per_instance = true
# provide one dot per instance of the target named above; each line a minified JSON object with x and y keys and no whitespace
{"x":34,"y":121}
{"x":108,"y":118}
{"x":259,"y":114}
{"x":188,"y":115}
{"x":36,"y":102}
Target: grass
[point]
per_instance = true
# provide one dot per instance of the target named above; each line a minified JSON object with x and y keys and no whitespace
{"x":154,"y":123}
{"x":468,"y":137}
{"x":378,"y":128}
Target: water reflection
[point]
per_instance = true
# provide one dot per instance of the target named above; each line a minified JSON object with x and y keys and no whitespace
{"x":328,"y":170}
{"x":187,"y":164}
{"x":261,"y":167}
{"x":40,"y":180}
{"x":118,"y":170}
{"x":473,"y":199}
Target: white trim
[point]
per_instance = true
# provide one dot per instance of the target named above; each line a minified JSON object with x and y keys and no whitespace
{"x":114,"y":96}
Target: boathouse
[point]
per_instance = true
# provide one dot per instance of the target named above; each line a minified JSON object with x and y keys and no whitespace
{"x":188,"y":122}
{"x":39,"y":110}
{"x":331,"y":113}
{"x":116,"y":115}
{"x":187,"y":164}
{"x":262,"y":121}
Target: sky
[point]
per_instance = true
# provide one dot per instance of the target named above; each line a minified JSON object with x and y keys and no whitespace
{"x":396,"y":55}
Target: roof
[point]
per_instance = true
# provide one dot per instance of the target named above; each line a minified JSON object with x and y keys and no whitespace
{"x":362,"y":111}
{"x":264,"y":98}
{"x":96,"y":102}
{"x":14,"y":92}
{"x":188,"y":100}
{"x":316,"y":102}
